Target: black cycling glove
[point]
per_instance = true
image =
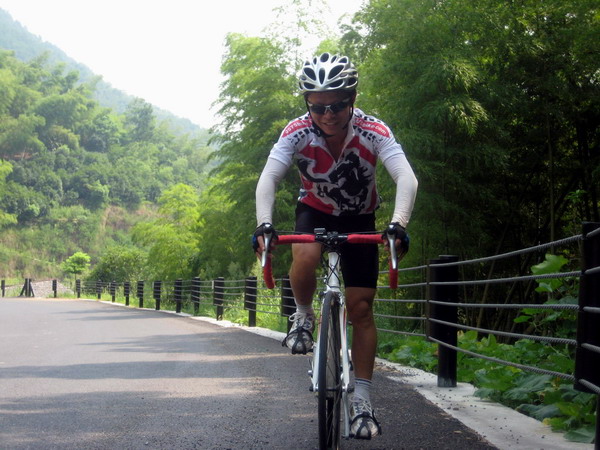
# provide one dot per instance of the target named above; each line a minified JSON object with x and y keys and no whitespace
{"x":400,"y":233}
{"x":260,"y":231}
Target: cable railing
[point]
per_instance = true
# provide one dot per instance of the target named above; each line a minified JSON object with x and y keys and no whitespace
{"x":435,"y":307}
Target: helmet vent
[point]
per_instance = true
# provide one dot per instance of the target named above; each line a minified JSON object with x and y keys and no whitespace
{"x":322,"y":76}
{"x":335,"y":71}
{"x":309,"y":73}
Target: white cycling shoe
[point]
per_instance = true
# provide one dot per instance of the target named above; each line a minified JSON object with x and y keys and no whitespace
{"x":363,"y":425}
{"x":300,"y":339}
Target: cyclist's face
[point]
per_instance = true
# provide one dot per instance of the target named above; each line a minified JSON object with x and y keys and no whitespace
{"x":334,"y":117}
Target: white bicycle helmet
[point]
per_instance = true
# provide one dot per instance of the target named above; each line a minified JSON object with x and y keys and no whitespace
{"x":328,"y":73}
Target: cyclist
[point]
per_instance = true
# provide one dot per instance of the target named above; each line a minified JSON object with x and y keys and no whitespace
{"x":336,"y":147}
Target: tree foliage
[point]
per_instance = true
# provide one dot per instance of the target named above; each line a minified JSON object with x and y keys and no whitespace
{"x":171,"y":240}
{"x":60,"y":151}
{"x":496,"y":103}
{"x":77,"y":263}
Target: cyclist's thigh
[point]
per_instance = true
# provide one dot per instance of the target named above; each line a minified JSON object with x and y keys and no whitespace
{"x":360,"y":265}
{"x":360,"y":262}
{"x":306,"y":255}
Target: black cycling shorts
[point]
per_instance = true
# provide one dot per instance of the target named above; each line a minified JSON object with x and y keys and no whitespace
{"x":359,"y":262}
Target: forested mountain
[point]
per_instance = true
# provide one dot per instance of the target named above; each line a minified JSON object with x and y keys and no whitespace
{"x":27,"y":46}
{"x":75,"y":175}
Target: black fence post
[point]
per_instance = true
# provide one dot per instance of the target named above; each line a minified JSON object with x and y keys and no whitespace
{"x":178,"y":294}
{"x":126,"y":291}
{"x":288,"y":305}
{"x":156,"y":288}
{"x":443,"y":313}
{"x":140,"y":293}
{"x":250,"y":300}
{"x":3,"y":285}
{"x":55,"y":288}
{"x":78,"y":288}
{"x":587,"y":353}
{"x":196,"y":294}
{"x":98,"y":289}
{"x":218,"y":294}
{"x":113,"y":291}
{"x":27,"y":290}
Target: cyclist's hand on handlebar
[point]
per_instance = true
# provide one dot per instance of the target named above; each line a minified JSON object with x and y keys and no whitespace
{"x":264,"y":230}
{"x":402,"y":239}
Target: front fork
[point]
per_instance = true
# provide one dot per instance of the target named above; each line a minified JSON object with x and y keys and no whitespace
{"x":345,"y":373}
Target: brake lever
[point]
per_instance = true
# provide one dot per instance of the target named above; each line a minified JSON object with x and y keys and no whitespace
{"x":267,"y":236}
{"x":391,"y":236}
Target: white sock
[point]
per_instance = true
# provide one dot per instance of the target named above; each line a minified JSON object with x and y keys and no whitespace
{"x":304,"y":309}
{"x":362,"y":389}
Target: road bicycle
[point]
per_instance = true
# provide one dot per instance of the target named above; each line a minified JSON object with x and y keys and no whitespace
{"x":330,"y":363}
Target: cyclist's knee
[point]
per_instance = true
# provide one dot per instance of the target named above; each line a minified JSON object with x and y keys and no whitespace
{"x":359,"y":303}
{"x":361,"y":314}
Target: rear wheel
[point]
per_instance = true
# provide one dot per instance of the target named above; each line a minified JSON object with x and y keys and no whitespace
{"x":329,"y":376}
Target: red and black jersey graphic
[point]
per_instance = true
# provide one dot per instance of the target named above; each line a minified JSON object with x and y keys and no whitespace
{"x":343,"y":187}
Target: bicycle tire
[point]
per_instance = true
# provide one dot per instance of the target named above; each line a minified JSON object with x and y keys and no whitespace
{"x":329,"y":374}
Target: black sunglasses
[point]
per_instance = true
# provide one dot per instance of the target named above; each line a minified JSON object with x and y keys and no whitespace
{"x":334,"y":107}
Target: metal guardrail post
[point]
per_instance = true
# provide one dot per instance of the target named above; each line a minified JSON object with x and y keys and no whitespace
{"x":178,"y":294}
{"x":250,"y":300}
{"x":218,"y":294}
{"x":27,"y":289}
{"x":156,"y":291}
{"x":444,"y":333}
{"x":3,"y":286}
{"x":140,"y":293}
{"x":113,"y":291}
{"x":288,"y":305}
{"x":55,"y":288}
{"x":196,"y":294}
{"x":587,"y":360}
{"x":126,"y":291}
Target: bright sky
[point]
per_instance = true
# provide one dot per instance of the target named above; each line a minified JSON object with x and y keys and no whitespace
{"x":167,"y":52}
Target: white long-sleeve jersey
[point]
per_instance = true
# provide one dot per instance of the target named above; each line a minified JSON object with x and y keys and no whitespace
{"x":345,"y":186}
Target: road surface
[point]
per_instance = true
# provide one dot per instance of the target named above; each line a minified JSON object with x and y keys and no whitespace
{"x":80,"y":374}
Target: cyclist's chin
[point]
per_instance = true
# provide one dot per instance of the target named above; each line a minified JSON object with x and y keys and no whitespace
{"x":332,"y":129}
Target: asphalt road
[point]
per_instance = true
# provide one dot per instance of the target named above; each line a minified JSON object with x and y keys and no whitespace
{"x":80,"y":374}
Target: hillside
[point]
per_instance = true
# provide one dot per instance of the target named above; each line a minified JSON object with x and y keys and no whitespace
{"x":28,"y":46}
{"x":80,"y":162}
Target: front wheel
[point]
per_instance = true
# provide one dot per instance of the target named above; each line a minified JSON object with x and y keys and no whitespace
{"x":329,"y":375}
